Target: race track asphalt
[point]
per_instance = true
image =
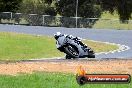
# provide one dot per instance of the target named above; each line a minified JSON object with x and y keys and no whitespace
{"x":123,"y":37}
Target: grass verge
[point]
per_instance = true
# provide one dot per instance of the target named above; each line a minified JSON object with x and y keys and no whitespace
{"x":49,"y":80}
{"x":22,"y":46}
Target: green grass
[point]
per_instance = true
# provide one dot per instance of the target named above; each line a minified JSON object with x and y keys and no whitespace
{"x":111,"y":21}
{"x":22,"y":46}
{"x":49,"y":80}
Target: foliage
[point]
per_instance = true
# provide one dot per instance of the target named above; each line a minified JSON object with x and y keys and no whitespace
{"x":39,"y":7}
{"x":86,"y":9}
{"x":92,"y":8}
{"x":67,"y":8}
{"x":9,"y":5}
{"x":123,"y":7}
{"x":35,"y":9}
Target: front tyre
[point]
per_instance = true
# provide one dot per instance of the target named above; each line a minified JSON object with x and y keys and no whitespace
{"x":91,"y":54}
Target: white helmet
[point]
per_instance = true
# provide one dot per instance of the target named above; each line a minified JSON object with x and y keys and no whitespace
{"x":56,"y":36}
{"x":58,"y":33}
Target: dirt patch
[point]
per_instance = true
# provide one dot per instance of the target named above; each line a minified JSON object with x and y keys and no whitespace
{"x":103,"y":66}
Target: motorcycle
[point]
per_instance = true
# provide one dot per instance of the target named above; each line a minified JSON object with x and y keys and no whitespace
{"x":72,"y":46}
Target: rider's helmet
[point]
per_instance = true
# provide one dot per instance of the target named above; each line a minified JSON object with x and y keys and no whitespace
{"x":57,"y":35}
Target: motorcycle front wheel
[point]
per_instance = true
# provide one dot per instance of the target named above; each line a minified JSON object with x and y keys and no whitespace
{"x":91,"y":54}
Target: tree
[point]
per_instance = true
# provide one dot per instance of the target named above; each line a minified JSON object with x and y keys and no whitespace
{"x":86,"y":9}
{"x":9,"y":5}
{"x":39,"y":7}
{"x":34,"y":9}
{"x":123,"y":7}
{"x":92,"y":8}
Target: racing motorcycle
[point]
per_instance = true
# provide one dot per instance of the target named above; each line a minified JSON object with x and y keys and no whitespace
{"x":72,"y":46}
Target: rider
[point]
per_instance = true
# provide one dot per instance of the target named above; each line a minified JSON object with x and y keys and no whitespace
{"x":58,"y":34}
